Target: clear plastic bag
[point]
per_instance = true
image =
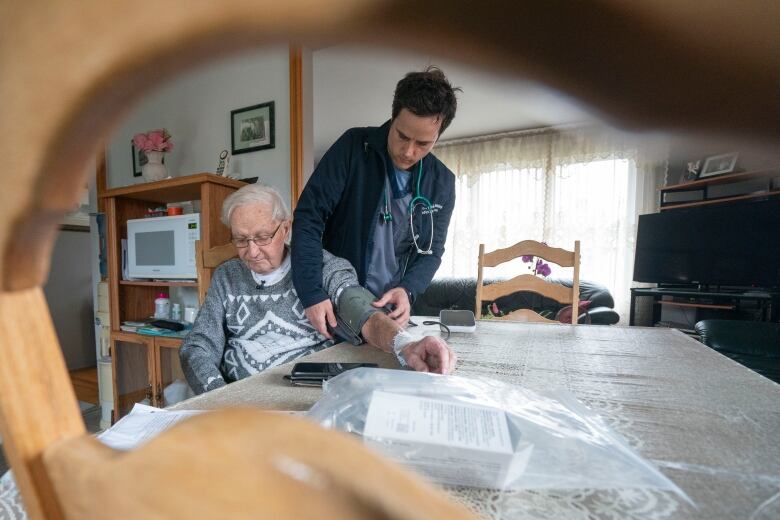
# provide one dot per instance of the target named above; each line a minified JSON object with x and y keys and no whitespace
{"x":483,"y":433}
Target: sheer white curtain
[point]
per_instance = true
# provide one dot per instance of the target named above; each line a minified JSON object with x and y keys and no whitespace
{"x":555,"y":186}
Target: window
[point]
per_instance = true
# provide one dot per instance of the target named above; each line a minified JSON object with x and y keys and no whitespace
{"x":504,"y":197}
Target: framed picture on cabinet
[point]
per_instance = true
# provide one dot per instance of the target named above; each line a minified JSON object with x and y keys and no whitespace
{"x":252,"y":128}
{"x":718,"y":165}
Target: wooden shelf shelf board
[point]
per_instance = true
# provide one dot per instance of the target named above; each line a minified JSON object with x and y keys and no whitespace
{"x":178,"y":189}
{"x":728,"y":178}
{"x":707,"y":202}
{"x":159,"y":284}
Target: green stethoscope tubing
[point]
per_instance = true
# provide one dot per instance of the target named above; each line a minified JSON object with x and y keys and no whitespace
{"x":418,"y":199}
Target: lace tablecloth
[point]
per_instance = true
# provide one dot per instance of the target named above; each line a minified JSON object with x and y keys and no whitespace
{"x":709,"y":424}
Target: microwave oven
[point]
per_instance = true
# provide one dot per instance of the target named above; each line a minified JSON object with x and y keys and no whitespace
{"x":163,"y":247}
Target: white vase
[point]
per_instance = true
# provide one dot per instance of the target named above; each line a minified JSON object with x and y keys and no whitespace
{"x":154,"y":169}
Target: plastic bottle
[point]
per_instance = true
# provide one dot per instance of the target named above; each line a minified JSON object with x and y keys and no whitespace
{"x":162,"y":307}
{"x":176,"y":312}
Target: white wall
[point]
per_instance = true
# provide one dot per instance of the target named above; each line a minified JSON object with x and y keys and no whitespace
{"x":195,"y":109}
{"x":353,"y":86}
{"x":68,"y":292}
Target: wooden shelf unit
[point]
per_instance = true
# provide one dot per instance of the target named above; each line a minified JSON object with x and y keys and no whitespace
{"x":158,"y":284}
{"x":144,"y":365}
{"x":765,"y":303}
{"x":770,"y":190}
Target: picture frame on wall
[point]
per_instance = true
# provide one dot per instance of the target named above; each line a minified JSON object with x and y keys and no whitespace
{"x":719,"y":165}
{"x":139,"y":159}
{"x":252,"y":128}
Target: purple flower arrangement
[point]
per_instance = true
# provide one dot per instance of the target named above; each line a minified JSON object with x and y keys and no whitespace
{"x":540,"y":267}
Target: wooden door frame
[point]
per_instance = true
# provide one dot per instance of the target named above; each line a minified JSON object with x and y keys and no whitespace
{"x":296,"y":124}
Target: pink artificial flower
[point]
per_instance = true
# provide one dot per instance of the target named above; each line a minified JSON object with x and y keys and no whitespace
{"x":139,"y":140}
{"x":154,"y":141}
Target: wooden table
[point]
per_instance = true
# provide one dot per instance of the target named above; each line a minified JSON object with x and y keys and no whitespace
{"x":708,"y":423}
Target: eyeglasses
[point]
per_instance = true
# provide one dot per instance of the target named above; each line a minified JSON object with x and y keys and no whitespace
{"x":262,"y":240}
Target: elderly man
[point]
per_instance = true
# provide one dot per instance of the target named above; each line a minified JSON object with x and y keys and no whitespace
{"x":252,"y":318}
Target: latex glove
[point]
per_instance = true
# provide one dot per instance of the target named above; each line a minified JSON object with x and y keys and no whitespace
{"x":321,"y":314}
{"x":430,"y":354}
{"x":398,"y":298}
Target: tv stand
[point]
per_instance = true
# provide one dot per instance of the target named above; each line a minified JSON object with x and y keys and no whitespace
{"x":768,"y":302}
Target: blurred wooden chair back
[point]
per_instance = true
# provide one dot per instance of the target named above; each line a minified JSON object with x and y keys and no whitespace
{"x":59,"y":108}
{"x":529,"y":282}
{"x":207,"y":261}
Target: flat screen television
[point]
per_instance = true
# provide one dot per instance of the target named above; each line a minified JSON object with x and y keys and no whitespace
{"x":724,"y":245}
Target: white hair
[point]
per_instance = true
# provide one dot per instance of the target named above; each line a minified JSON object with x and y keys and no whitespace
{"x":257,"y":193}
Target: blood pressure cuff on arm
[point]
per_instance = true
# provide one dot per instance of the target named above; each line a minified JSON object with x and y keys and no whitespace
{"x":353,"y":308}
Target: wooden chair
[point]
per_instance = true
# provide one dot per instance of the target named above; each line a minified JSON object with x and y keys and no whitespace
{"x":207,"y":261}
{"x":57,"y":112}
{"x":529,"y":282}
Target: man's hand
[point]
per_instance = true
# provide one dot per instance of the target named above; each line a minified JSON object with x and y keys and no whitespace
{"x":430,"y":354}
{"x":401,"y":306}
{"x":320,"y":315}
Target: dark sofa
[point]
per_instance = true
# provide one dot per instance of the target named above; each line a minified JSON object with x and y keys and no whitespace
{"x":460,"y":293}
{"x":755,"y":344}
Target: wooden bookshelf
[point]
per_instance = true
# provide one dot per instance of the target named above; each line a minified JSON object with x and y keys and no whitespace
{"x":144,"y":365}
{"x":701,"y":185}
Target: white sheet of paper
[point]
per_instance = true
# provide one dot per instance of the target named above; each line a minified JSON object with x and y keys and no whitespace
{"x":143,"y":423}
{"x":140,"y":425}
{"x":454,"y":443}
{"x":419,"y":419}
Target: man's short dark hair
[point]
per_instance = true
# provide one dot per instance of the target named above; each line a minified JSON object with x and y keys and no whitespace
{"x":427,"y":93}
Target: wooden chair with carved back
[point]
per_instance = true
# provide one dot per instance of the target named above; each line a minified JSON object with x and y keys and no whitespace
{"x":207,"y":261}
{"x":58,"y":108}
{"x":529,"y":282}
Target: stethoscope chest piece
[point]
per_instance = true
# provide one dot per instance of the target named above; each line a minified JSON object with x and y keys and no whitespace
{"x":417,"y":201}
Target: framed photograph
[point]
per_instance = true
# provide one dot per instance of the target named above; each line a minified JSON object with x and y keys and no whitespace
{"x":252,"y":128}
{"x":691,"y":171}
{"x":718,"y":165}
{"x":139,"y":159}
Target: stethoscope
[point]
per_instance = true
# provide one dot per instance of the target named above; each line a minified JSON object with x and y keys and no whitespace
{"x":417,"y":200}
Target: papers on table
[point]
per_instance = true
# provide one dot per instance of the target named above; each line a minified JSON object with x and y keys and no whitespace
{"x":140,"y":425}
{"x":143,"y":423}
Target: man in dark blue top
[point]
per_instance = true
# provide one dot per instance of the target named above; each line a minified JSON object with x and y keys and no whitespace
{"x":381,"y":200}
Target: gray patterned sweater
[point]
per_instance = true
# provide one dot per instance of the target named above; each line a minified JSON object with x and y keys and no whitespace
{"x":245,"y":327}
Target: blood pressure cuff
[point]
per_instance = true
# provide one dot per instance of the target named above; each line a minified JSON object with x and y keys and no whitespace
{"x":353,"y":309}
